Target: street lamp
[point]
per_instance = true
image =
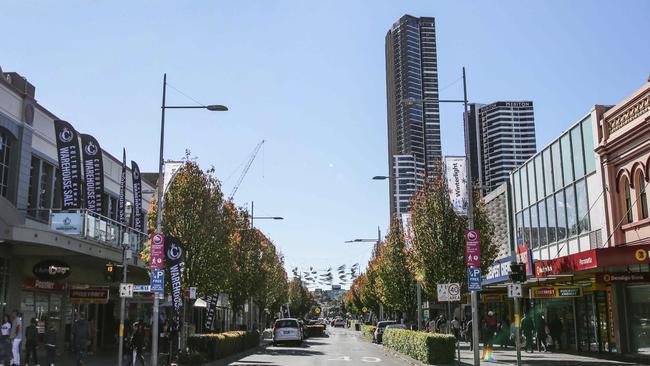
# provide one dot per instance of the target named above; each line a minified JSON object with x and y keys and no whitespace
{"x":262,"y":217}
{"x":161,"y":164}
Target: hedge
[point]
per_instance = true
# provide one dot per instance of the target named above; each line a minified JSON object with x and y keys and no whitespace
{"x":219,"y":345}
{"x":368,"y":331}
{"x":431,"y":348}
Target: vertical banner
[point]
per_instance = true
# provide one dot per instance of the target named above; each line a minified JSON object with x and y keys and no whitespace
{"x":175,"y":257}
{"x":67,"y":146}
{"x":137,"y":197}
{"x":210,"y":308}
{"x":121,"y":202}
{"x":93,"y":172}
{"x":456,"y":175}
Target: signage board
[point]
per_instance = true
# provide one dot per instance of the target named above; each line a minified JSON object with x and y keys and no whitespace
{"x":629,"y":277}
{"x":474,"y":279}
{"x":126,"y":290}
{"x":141,"y":288}
{"x":68,"y":223}
{"x":472,"y":248}
{"x":157,"y":251}
{"x":555,"y":292}
{"x":42,"y":285}
{"x":448,"y":291}
{"x":157,"y":281}
{"x":499,"y":271}
{"x":51,"y":270}
{"x":364,"y":309}
{"x":456,"y":175}
{"x":491,"y":298}
{"x":89,"y":295}
{"x":515,"y":290}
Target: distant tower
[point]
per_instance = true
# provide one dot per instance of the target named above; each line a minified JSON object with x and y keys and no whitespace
{"x":414,"y":148}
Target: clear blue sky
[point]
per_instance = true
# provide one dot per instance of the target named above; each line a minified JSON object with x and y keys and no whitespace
{"x":309,"y":77}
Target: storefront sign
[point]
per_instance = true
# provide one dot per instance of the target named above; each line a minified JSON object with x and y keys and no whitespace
{"x":472,"y":248}
{"x":555,"y":292}
{"x":51,"y":270}
{"x":628,"y":277}
{"x":525,"y":255}
{"x":34,"y":284}
{"x":593,"y":258}
{"x":67,"y":222}
{"x":491,"y":298}
{"x":610,"y":314}
{"x":91,"y":295}
{"x":499,"y":271}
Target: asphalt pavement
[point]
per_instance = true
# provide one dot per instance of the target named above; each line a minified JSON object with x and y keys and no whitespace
{"x":340,"y":346}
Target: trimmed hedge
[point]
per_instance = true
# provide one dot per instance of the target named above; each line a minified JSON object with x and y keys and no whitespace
{"x":431,"y":348}
{"x":316,"y":330}
{"x":368,"y":331}
{"x":220,"y":345}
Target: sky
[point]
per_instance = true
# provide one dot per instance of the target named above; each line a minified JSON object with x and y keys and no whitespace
{"x":308,"y":77}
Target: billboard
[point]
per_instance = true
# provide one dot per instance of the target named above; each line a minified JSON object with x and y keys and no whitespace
{"x":456,"y":175}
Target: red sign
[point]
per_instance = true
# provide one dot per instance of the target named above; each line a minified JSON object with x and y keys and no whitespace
{"x":472,"y":248}
{"x":593,"y":258}
{"x":157,"y":251}
{"x":34,"y":284}
{"x":524,"y":255}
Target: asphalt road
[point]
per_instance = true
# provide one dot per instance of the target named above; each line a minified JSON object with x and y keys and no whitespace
{"x":340,"y":347}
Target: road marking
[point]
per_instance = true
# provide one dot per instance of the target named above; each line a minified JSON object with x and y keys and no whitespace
{"x":342,"y":358}
{"x":370,"y":359}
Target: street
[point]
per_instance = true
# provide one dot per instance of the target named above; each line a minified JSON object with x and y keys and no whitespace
{"x":340,"y":347}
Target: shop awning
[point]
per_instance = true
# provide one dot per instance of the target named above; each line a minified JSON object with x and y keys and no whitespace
{"x":594,"y":258}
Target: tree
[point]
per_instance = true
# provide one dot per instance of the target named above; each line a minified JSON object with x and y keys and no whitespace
{"x":273,"y":291}
{"x":438,"y":253}
{"x":396,"y":283}
{"x":300,"y":299}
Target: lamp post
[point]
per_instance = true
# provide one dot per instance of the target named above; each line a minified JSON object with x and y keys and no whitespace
{"x":470,"y":199}
{"x":376,"y":241}
{"x":161,"y":164}
{"x":262,"y":217}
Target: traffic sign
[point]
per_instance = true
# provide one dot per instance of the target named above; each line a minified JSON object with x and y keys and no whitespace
{"x":474,"y":279}
{"x":157,"y":251}
{"x":472,"y":248}
{"x":126,"y":290}
{"x":514,"y":290}
{"x":157,"y":281}
{"x":364,"y":309}
{"x":317,"y":310}
{"x":448,"y":291}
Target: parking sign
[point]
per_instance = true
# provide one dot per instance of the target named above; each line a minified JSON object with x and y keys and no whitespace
{"x":474,"y":279}
{"x":158,"y":281}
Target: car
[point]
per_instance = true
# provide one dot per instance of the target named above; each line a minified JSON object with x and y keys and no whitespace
{"x":287,"y":330}
{"x":379,"y":331}
{"x":396,"y":326}
{"x":339,"y":322}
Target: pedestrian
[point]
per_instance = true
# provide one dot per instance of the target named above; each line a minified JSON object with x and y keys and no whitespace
{"x":555,"y":329}
{"x":504,"y":333}
{"x":441,"y":324}
{"x":489,"y":329}
{"x":137,"y":343}
{"x":5,"y":344}
{"x":455,"y":328}
{"x":432,"y":325}
{"x":50,"y":342}
{"x":540,"y":330}
{"x":16,"y":336}
{"x":527,"y":328}
{"x":31,"y":336}
{"x":81,"y":337}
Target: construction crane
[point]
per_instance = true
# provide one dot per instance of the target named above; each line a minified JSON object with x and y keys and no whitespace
{"x":248,"y":165}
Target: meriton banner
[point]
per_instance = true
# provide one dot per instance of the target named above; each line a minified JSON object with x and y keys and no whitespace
{"x":137,"y":196}
{"x":121,"y":202}
{"x":93,"y":172}
{"x":67,"y":146}
{"x":175,"y":258}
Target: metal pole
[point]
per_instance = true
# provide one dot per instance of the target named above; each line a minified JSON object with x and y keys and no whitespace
{"x":470,"y":222}
{"x":419,"y":300}
{"x":161,"y":181}
{"x":120,"y":351}
{"x":517,"y":330}
{"x":252,"y":208}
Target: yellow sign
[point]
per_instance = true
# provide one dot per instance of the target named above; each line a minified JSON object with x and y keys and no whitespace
{"x":364,"y":309}
{"x":641,"y":255}
{"x":317,"y":310}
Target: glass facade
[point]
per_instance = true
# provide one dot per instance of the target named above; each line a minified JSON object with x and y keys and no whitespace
{"x":551,"y":195}
{"x":5,"y":160}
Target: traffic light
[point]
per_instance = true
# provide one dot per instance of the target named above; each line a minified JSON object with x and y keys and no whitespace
{"x":109,"y":273}
{"x":518,"y":272}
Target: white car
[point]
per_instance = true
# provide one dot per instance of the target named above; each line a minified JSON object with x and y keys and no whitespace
{"x":287,"y":330}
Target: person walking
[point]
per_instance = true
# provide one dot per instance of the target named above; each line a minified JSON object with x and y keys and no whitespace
{"x":527,"y":328}
{"x":16,"y":336}
{"x":455,"y":328}
{"x":5,"y":344}
{"x":504,"y":333}
{"x":81,"y":337}
{"x":50,"y":343}
{"x":490,"y":329}
{"x":555,"y":329}
{"x":540,"y":331}
{"x":137,"y":344}
{"x":31,"y":336}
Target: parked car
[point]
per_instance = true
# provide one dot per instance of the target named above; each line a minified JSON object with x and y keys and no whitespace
{"x":339,"y":322}
{"x":379,"y":331}
{"x":287,"y":330}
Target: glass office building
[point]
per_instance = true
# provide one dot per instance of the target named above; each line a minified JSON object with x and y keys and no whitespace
{"x":553,"y":192}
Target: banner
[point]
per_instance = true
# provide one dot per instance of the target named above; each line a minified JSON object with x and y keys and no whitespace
{"x":137,"y":197}
{"x":175,"y":258}
{"x":456,"y":175}
{"x":121,"y":202}
{"x":93,"y":172}
{"x":67,"y":146}
{"x":210,"y":309}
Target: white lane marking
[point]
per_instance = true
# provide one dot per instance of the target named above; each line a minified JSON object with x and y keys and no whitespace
{"x":341,"y":358}
{"x":370,"y":359}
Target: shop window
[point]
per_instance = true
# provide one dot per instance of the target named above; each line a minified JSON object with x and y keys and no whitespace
{"x":6,"y":163}
{"x":641,"y":196}
{"x":526,"y":227}
{"x":627,"y":202}
{"x":638,"y":310}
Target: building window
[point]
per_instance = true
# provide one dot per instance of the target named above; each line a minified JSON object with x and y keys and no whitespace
{"x":41,"y":189}
{"x":548,"y":171}
{"x":524,"y":187}
{"x":567,"y":159}
{"x":583,"y":206}
{"x":557,"y":166}
{"x":534,"y":227}
{"x":550,"y":207}
{"x":627,"y":202}
{"x":515,"y":185}
{"x":578,"y":153}
{"x":542,"y":223}
{"x":643,"y":199}
{"x":570,"y":202}
{"x":560,"y":208}
{"x":526,"y":227}
{"x":530,"y":171}
{"x":539,"y":176}
{"x":6,"y":142}
{"x":588,"y":138}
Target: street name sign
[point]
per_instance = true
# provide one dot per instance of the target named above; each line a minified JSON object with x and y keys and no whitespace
{"x":141,"y":288}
